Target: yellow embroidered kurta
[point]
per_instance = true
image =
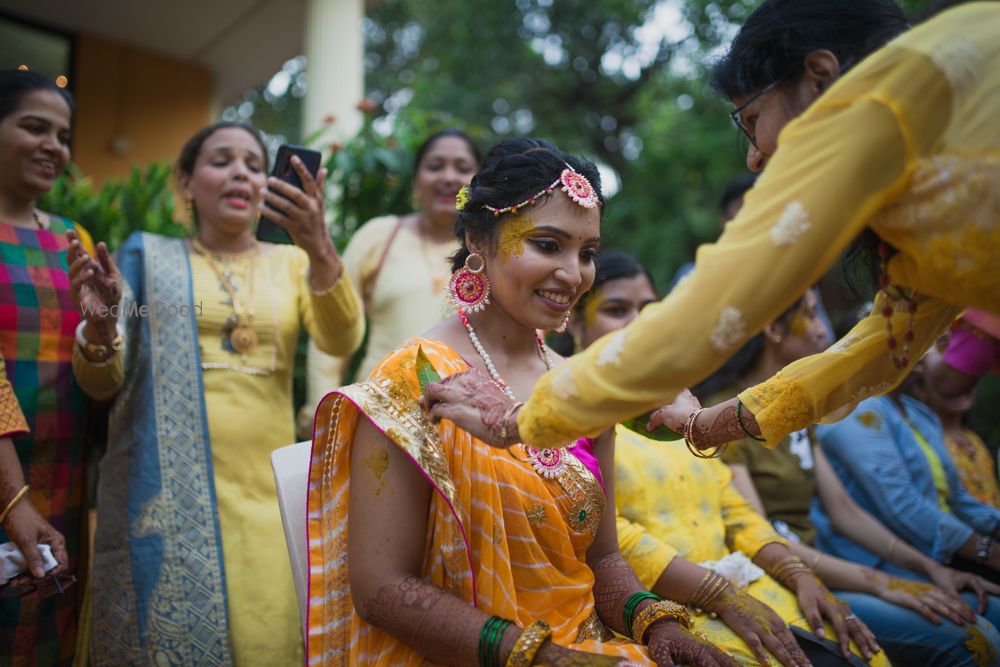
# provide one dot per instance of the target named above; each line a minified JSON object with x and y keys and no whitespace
{"x":249,"y":407}
{"x":906,"y":143}
{"x":975,"y":466}
{"x":672,"y":504}
{"x":500,"y":536}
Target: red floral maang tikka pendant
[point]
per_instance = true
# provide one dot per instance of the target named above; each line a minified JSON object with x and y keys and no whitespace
{"x":578,"y":188}
{"x":469,"y":288}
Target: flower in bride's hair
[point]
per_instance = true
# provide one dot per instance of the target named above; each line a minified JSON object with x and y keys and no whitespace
{"x":462,"y":198}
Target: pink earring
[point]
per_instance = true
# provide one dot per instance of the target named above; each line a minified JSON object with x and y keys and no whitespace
{"x":469,"y":289}
{"x":565,"y":323}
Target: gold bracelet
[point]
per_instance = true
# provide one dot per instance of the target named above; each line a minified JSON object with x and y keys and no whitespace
{"x":655,"y":612}
{"x":788,"y":567}
{"x":688,"y":434}
{"x":711,"y":586}
{"x":527,"y":645}
{"x":13,"y":501}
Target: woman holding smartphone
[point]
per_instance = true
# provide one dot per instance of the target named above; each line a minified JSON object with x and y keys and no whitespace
{"x":190,"y":562}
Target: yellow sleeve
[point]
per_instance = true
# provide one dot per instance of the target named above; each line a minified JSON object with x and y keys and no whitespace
{"x":826,"y":386}
{"x":794,"y":225}
{"x":646,"y":555}
{"x":844,"y":159}
{"x":746,"y":530}
{"x":12,"y":421}
{"x":334,"y":317}
{"x":99,"y":380}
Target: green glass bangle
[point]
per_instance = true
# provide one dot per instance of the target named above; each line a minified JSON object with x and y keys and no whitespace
{"x":497,"y":640}
{"x":485,"y":655}
{"x":739,"y":418}
{"x":633,"y":602}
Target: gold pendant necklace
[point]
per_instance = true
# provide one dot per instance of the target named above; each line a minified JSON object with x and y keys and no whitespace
{"x":239,"y":327}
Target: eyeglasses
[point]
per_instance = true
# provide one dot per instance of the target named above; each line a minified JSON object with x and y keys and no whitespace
{"x":734,"y":115}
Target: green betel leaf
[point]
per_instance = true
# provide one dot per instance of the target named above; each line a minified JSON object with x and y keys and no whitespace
{"x":660,"y":433}
{"x":425,"y":370}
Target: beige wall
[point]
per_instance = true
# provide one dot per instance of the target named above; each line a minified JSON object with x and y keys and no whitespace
{"x":133,"y":106}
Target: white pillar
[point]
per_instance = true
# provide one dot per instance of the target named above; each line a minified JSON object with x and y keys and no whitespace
{"x":334,"y":48}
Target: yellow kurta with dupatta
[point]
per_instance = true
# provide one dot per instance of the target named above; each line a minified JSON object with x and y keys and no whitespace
{"x":500,"y":536}
{"x":907,"y":143}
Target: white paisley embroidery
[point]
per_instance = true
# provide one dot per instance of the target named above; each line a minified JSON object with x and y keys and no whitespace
{"x":564,"y":384}
{"x":730,"y":329}
{"x":868,"y":392}
{"x":611,"y":353}
{"x":794,"y":222}
{"x":960,"y":61}
{"x":843,"y":344}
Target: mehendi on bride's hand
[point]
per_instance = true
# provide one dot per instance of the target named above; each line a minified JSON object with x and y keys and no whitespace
{"x":475,"y":404}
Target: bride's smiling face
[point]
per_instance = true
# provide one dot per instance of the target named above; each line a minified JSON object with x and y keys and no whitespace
{"x":543,"y":260}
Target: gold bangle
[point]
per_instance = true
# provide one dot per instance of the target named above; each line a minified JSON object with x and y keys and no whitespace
{"x":688,"y":434}
{"x":655,"y":612}
{"x":13,"y":501}
{"x":711,"y":586}
{"x":527,"y":645}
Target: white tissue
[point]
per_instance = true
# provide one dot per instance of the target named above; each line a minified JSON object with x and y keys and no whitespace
{"x":737,"y":568}
{"x":12,"y":561}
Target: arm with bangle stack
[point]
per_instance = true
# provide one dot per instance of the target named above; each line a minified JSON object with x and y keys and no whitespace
{"x":96,"y":286}
{"x":19,"y":517}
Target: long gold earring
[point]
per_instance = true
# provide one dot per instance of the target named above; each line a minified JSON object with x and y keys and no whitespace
{"x":191,"y":212}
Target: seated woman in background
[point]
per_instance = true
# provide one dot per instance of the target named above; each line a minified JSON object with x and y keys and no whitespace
{"x":190,"y":561}
{"x":696,"y":516}
{"x":891,"y":457}
{"x":973,"y":461}
{"x":782,"y":484}
{"x":427,"y":544}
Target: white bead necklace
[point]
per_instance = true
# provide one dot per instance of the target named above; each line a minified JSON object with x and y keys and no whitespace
{"x":547,"y":462}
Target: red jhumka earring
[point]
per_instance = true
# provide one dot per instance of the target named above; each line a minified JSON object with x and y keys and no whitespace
{"x":469,"y":289}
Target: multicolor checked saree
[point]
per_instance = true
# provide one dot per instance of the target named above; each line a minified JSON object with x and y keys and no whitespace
{"x":37,"y":327}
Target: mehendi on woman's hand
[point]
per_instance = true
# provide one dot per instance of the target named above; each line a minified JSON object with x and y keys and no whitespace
{"x":475,"y":404}
{"x":818,"y":603}
{"x":926,"y":599}
{"x":672,"y":644}
{"x":421,"y":614}
{"x":759,"y":626}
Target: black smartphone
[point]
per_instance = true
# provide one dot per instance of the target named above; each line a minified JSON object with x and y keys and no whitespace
{"x":823,"y":652}
{"x":268,"y":230}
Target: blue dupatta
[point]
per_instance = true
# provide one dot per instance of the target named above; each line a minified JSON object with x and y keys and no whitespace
{"x":159,"y":585}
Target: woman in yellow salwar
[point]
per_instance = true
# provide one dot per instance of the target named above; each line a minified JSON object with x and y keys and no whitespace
{"x":190,"y":565}
{"x":896,"y":140}
{"x":427,"y":544}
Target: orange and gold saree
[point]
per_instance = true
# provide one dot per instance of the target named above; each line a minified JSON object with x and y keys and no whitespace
{"x":500,"y":536}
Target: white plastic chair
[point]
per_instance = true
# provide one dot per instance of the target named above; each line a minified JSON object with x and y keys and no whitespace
{"x":291,"y":480}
